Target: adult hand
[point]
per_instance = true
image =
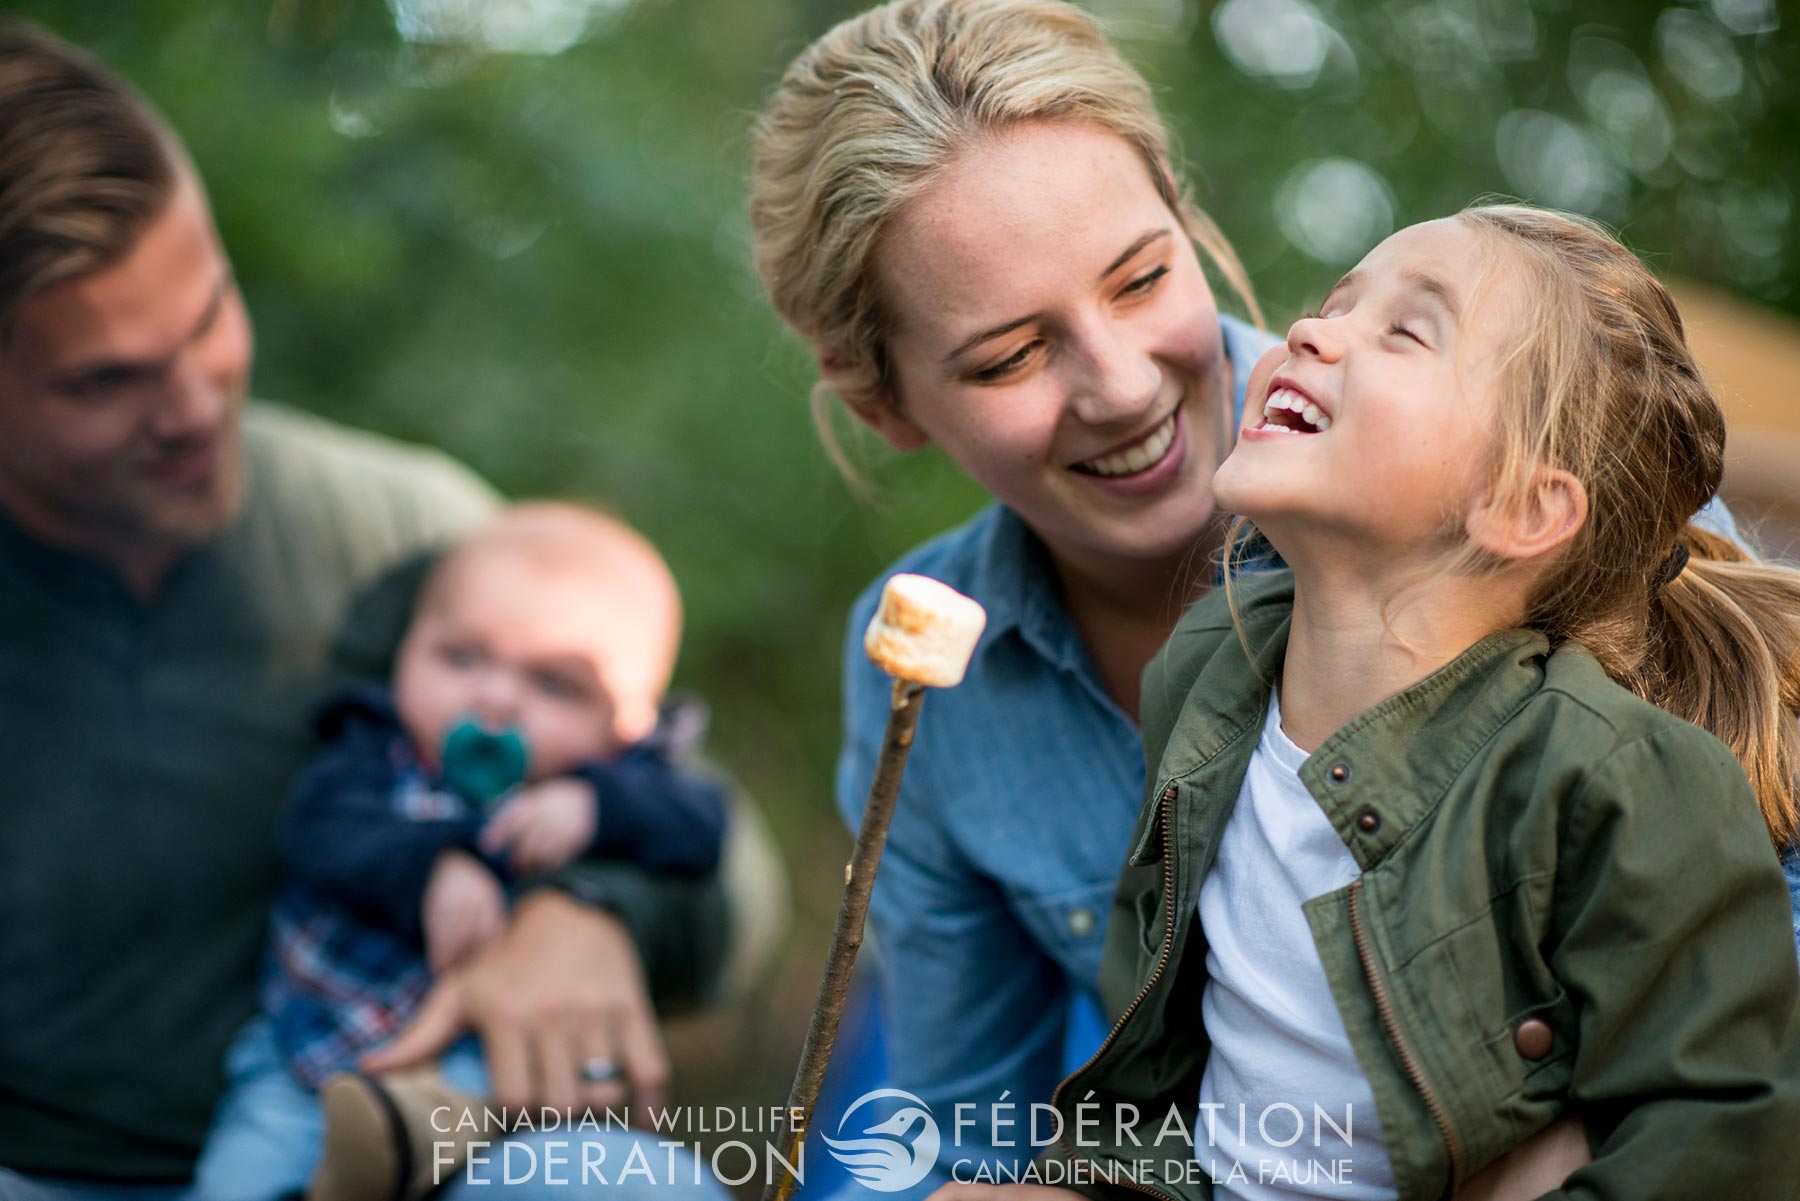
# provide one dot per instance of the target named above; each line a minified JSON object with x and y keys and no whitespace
{"x":562,"y":988}
{"x":463,"y":910}
{"x":544,"y":825}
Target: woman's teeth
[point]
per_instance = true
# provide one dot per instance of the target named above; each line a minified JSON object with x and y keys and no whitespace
{"x":1145,"y":454}
{"x":1285,"y":401}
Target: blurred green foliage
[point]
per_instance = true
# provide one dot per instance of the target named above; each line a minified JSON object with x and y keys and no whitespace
{"x":539,"y":261}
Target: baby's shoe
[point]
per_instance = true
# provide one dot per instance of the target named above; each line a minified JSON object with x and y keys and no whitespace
{"x":397,"y":1135}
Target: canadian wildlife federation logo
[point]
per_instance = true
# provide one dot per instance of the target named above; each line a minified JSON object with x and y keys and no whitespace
{"x":896,"y":1141}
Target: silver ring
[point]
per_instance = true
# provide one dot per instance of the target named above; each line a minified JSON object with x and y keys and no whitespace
{"x":600,"y":1070}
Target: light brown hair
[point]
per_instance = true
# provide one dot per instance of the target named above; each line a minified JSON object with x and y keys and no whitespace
{"x":868,"y":116}
{"x":85,"y":165}
{"x":1602,"y":384}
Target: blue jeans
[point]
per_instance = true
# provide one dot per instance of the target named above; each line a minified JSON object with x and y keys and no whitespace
{"x":14,"y":1187}
{"x":268,"y":1130}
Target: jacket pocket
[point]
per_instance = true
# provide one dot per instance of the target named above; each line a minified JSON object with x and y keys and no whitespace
{"x":1525,"y":1021}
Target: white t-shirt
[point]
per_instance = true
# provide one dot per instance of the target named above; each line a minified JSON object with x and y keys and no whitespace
{"x":1281,"y":1069}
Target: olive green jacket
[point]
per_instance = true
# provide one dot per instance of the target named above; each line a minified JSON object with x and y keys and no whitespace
{"x":1568,"y":901}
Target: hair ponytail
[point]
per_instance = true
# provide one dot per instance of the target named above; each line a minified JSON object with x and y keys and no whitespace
{"x":1601,"y":383}
{"x":1725,"y":655}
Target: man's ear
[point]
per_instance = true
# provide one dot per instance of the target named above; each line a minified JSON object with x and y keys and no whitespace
{"x":879,"y":411}
{"x":1550,"y":514}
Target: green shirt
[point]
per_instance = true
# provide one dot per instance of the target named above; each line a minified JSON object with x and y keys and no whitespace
{"x":145,"y":752}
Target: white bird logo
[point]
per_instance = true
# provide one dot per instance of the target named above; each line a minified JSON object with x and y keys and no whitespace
{"x":888,"y":1162}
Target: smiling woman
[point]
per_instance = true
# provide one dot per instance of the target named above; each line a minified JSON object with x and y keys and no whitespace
{"x":969,"y":213}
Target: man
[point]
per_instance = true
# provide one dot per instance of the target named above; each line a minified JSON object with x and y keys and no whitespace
{"x":176,"y":568}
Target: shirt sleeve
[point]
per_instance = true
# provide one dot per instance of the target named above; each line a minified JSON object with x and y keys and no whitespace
{"x":974,"y":1009}
{"x":341,"y":834}
{"x":1684,"y":980}
{"x":656,"y":813}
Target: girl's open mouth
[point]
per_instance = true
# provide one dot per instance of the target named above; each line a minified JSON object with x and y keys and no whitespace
{"x":1287,"y":411}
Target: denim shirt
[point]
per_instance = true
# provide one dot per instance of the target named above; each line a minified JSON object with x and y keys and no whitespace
{"x":1017,"y":804}
{"x":1014,"y":816}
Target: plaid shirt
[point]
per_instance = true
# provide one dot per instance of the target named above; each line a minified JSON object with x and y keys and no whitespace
{"x":346,"y":965}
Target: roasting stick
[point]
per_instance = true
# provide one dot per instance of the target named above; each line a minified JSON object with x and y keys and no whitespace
{"x":923,"y":635}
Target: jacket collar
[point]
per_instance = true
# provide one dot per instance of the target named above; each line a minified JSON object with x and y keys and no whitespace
{"x":1383,"y":772}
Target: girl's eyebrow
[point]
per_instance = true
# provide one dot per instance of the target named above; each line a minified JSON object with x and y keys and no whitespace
{"x":1426,"y":282}
{"x":1435,"y":288}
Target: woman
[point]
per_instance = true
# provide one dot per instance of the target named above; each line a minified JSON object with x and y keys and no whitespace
{"x":967,"y":210}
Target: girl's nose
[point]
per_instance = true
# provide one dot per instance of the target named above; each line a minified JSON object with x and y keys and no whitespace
{"x":1315,"y":336}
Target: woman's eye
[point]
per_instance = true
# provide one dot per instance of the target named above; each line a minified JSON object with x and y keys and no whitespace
{"x":1144,"y":282}
{"x":1008,"y":365}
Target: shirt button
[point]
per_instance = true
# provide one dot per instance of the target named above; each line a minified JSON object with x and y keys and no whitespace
{"x":1339,"y":772}
{"x":1368,"y":821}
{"x":1081,"y":922}
{"x":1533,"y":1039}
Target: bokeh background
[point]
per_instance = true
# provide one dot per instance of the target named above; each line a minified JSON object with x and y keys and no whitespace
{"x":515,"y":229}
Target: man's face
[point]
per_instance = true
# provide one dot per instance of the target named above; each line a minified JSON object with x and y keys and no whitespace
{"x":120,"y":394}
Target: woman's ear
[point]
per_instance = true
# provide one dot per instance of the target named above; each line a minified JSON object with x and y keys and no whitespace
{"x":1550,"y":514}
{"x":879,"y":411}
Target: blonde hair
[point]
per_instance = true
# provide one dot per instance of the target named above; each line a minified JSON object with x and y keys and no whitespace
{"x":868,"y":116}
{"x":1601,"y":384}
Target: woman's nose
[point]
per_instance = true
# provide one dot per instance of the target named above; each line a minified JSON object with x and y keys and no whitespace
{"x":1120,"y":383}
{"x":1315,"y":336}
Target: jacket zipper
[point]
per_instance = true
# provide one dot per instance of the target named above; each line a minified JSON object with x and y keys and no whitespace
{"x":1391,"y":1022}
{"x":1162,"y":961}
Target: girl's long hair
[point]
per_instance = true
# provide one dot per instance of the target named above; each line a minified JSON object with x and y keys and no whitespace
{"x":1601,"y":383}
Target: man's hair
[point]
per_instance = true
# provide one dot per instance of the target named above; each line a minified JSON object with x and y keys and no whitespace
{"x":85,"y":164}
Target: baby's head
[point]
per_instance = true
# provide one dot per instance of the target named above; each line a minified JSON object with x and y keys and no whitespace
{"x":555,"y":621}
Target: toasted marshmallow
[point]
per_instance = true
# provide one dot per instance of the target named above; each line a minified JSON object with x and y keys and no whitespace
{"x":924,"y":631}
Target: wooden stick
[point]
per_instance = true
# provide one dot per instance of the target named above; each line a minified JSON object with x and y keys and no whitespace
{"x":847,"y":935}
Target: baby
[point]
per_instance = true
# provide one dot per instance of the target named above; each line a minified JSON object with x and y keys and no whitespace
{"x":524,"y":728}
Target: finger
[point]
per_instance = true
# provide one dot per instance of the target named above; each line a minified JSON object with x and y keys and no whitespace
{"x":531,"y":853}
{"x":558,"y":1054}
{"x":646,"y":1063}
{"x":598,"y":1046}
{"x":440,"y":1019}
{"x":500,"y":829}
{"x":438,"y":949}
{"x":509,"y":1065}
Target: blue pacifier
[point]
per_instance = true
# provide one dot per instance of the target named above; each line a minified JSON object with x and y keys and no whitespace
{"x":481,"y":765}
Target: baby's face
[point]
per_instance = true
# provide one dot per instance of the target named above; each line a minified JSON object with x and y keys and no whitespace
{"x":509,"y":641}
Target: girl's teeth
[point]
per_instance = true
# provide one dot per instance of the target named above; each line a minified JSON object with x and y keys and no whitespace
{"x":1145,"y":454}
{"x":1311,"y":413}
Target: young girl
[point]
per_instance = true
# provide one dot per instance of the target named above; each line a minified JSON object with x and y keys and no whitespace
{"x":1449,"y":832}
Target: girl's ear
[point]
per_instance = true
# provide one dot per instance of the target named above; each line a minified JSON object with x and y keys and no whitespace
{"x":1549,"y":515}
{"x":880,"y":411}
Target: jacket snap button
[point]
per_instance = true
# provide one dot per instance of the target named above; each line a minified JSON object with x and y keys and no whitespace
{"x":1533,"y":1039}
{"x":1081,"y":922}
{"x":1368,"y":821}
{"x":1340,"y":772}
